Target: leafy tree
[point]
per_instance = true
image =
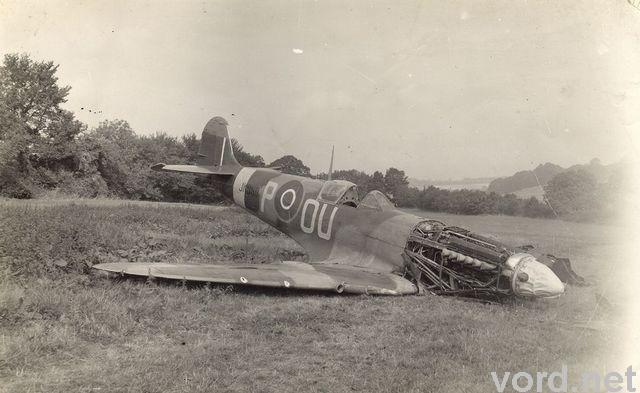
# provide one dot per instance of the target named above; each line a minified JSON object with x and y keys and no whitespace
{"x":122,"y":160}
{"x":30,"y":91}
{"x":291,"y":165}
{"x":376,"y":182}
{"x":532,"y":207}
{"x":405,"y":196}
{"x":112,"y":149}
{"x":573,"y":194}
{"x":471,"y":202}
{"x":394,"y":181}
{"x":508,"y":204}
{"x":35,"y":132}
{"x":58,"y":148}
{"x":353,"y":175}
{"x":192,"y":144}
{"x":245,"y":158}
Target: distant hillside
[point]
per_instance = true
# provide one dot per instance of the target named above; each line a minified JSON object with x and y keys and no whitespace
{"x":531,"y":182}
{"x":525,"y":179}
{"x":476,"y":183}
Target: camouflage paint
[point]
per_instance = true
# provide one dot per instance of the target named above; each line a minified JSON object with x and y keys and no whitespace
{"x":288,"y":275}
{"x":351,"y":250}
{"x":337,"y":234}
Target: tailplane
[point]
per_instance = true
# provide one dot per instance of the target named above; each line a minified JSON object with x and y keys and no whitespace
{"x":215,"y":156}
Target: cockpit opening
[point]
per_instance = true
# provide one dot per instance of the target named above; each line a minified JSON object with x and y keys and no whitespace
{"x":339,"y":192}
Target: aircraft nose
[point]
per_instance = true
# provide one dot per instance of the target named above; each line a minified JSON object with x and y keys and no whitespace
{"x":533,"y":279}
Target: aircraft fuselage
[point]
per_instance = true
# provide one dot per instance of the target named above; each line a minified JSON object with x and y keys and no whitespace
{"x":331,"y":233}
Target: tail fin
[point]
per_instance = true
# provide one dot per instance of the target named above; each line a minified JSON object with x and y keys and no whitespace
{"x":215,"y":154}
{"x":215,"y":145}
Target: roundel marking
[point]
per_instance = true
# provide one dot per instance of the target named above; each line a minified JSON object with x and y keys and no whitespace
{"x":289,"y":200}
{"x":292,"y":199}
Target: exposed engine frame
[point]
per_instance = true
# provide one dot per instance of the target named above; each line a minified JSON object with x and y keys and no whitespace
{"x":448,"y":260}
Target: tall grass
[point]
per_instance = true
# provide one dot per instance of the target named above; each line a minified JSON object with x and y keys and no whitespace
{"x":66,"y":329}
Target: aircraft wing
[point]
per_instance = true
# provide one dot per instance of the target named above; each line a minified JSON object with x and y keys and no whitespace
{"x":295,"y":275}
{"x":196,"y":169}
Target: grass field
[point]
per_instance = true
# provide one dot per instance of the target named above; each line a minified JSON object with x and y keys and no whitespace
{"x":65,"y":329}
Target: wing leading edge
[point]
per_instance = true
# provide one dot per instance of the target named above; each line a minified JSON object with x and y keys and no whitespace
{"x":196,"y":169}
{"x":295,"y":275}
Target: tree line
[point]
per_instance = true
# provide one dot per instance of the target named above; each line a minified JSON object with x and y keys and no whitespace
{"x":394,"y":183}
{"x":43,"y":147}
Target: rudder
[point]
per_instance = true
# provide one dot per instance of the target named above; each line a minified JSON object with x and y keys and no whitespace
{"x":215,"y":145}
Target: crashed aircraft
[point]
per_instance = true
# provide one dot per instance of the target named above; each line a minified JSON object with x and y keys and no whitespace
{"x":354,"y":246}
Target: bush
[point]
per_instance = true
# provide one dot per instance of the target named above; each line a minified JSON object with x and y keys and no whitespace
{"x":575,"y":195}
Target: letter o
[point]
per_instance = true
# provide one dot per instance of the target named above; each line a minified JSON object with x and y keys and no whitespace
{"x":516,"y":385}
{"x":293,"y":199}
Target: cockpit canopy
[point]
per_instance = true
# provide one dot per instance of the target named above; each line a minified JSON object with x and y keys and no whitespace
{"x":339,"y":192}
{"x":343,"y":192}
{"x":376,"y":200}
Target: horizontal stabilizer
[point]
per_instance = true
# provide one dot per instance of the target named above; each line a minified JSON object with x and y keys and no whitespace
{"x":197,"y":169}
{"x":295,"y":275}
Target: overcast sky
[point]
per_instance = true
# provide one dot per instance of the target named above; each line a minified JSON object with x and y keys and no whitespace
{"x":439,"y":89}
